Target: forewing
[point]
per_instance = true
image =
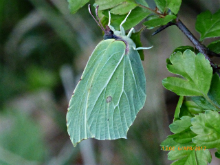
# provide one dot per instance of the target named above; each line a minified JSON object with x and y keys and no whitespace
{"x":109,"y":95}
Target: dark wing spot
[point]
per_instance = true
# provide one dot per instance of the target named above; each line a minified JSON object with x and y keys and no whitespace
{"x":108,"y":99}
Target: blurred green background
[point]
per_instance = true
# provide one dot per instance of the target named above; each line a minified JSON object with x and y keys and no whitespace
{"x":43,"y":51}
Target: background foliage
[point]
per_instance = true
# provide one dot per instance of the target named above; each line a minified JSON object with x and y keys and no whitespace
{"x":43,"y":50}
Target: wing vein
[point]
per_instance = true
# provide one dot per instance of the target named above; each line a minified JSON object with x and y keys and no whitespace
{"x":135,"y":81}
{"x":109,"y":78}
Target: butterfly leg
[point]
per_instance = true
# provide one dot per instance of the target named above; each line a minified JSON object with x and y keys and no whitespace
{"x":132,"y":30}
{"x":141,"y":48}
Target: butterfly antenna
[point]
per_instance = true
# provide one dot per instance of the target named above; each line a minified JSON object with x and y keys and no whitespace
{"x":97,"y":16}
{"x":125,"y":18}
{"x":98,"y":22}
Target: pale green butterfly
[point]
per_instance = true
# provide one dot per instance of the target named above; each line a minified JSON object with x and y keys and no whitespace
{"x":112,"y":89}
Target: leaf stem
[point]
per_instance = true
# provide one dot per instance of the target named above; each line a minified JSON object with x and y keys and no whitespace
{"x":210,"y":101}
{"x":154,"y":11}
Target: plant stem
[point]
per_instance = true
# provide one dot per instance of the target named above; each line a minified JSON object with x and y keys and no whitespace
{"x":192,"y":38}
{"x":162,"y":28}
{"x":202,"y":49}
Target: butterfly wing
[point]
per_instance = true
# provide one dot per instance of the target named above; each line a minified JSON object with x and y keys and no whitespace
{"x":109,"y":96}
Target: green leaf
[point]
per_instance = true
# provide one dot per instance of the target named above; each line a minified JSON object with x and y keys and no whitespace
{"x":198,"y":104}
{"x":75,"y":5}
{"x":191,"y":107}
{"x":195,"y":105}
{"x":159,"y":21}
{"x":181,"y":130}
{"x":180,"y":125}
{"x":208,"y":25}
{"x":183,"y":49}
{"x":168,"y":61}
{"x":206,"y":126}
{"x":136,"y":37}
{"x":168,"y":142}
{"x":184,"y":136}
{"x":150,"y":17}
{"x":135,"y":17}
{"x":174,"y":5}
{"x":142,"y":2}
{"x":215,"y":46}
{"x":203,"y":103}
{"x":161,"y":5}
{"x":195,"y":70}
{"x":109,"y":96}
{"x":108,"y":4}
{"x":123,"y":8}
{"x":217,"y":155}
{"x":177,"y":111}
{"x":186,"y":154}
{"x":185,"y":110}
{"x":214,"y":92}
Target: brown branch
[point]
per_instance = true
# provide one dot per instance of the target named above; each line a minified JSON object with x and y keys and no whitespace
{"x":200,"y":47}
